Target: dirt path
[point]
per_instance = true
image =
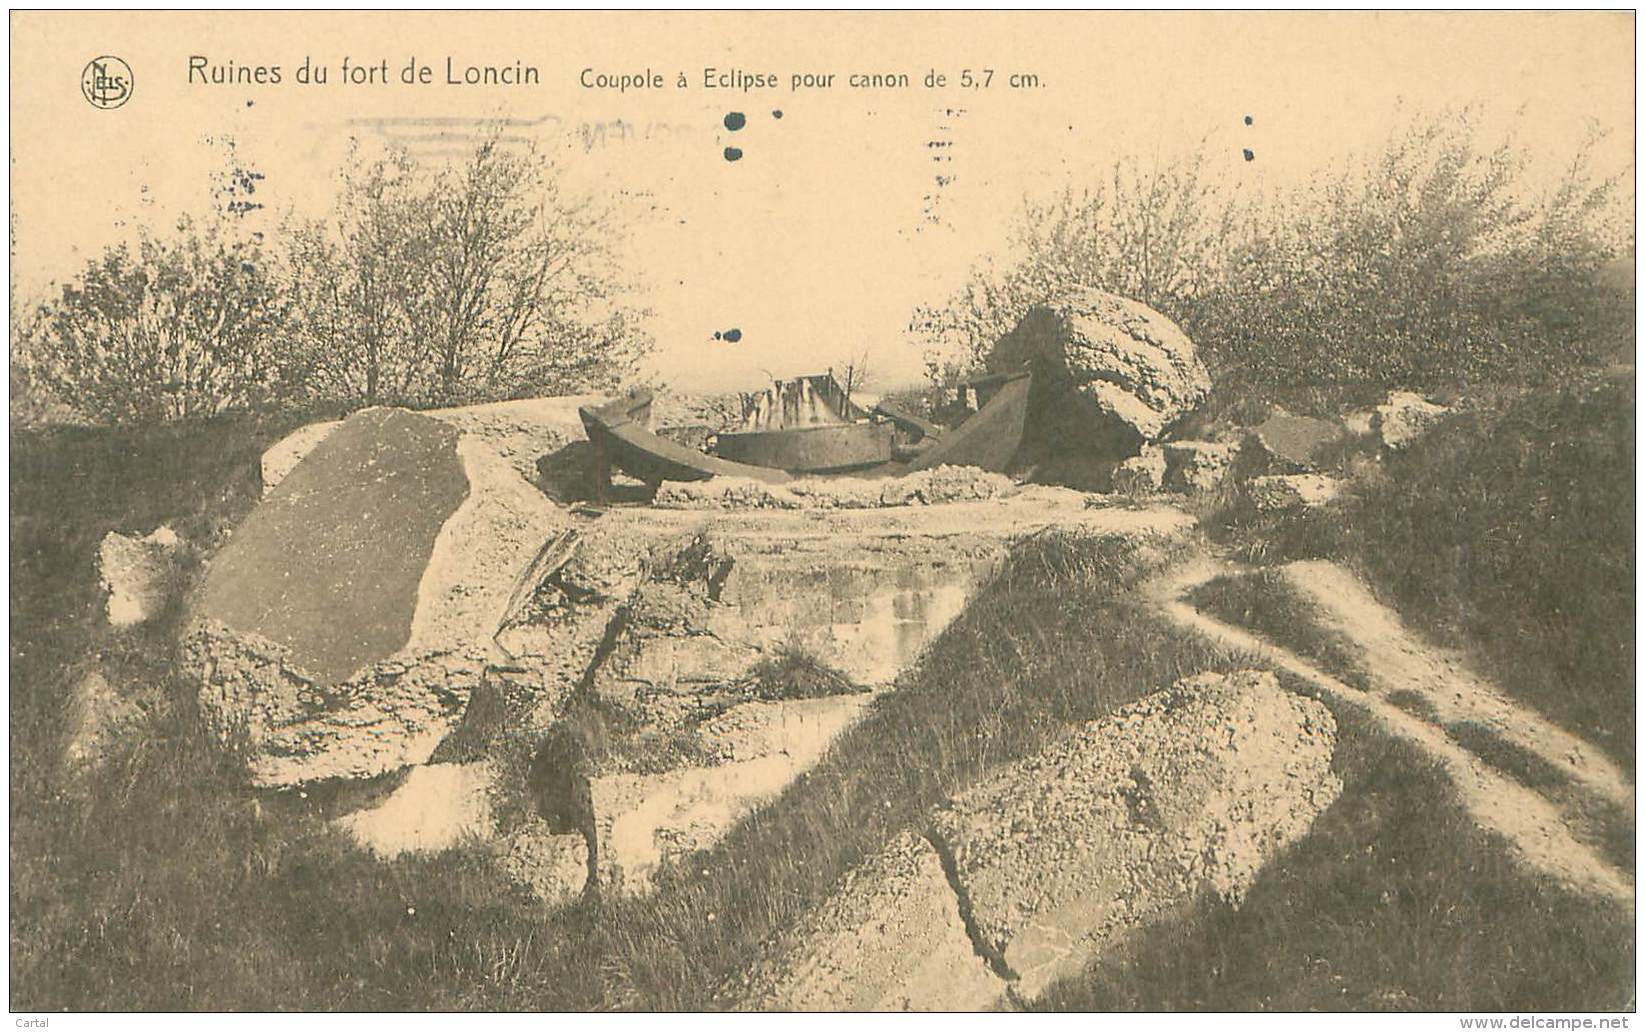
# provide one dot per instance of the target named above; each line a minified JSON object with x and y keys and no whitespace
{"x":1532,"y":826}
{"x":1397,"y":660}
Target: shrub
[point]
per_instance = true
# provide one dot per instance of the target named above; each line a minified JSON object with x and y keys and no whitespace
{"x":183,"y":327}
{"x":1430,"y":263}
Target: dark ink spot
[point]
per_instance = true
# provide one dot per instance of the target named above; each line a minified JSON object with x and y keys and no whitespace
{"x":249,"y":103}
{"x":733,"y":153}
{"x":735,"y":120}
{"x":731,"y":336}
{"x":1250,"y":155}
{"x":1247,"y":119}
{"x":777,"y":114}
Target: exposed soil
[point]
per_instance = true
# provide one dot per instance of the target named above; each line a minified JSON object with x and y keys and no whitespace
{"x":1396,"y":660}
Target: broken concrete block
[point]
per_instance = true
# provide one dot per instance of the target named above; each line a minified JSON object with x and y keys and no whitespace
{"x":552,"y":867}
{"x":1185,"y":791}
{"x":1295,"y":444}
{"x":1292,"y":491}
{"x":1137,"y":366}
{"x":138,"y":573}
{"x":1143,"y":473}
{"x":664,"y":653}
{"x":1404,"y":417}
{"x":1197,"y":465}
{"x":340,"y":630}
{"x":890,"y":938}
{"x":436,"y":807}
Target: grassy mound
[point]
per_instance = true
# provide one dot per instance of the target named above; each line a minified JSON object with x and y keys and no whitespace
{"x":1511,"y":530}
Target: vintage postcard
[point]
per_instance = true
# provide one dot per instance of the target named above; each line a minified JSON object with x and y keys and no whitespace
{"x":823,"y":511}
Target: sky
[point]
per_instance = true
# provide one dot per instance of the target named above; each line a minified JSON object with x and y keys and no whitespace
{"x":833,"y":225}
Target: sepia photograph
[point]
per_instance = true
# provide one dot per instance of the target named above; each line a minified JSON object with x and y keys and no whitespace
{"x":845,"y":511}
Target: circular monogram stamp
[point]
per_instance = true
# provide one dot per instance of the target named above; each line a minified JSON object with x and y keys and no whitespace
{"x":106,"y":82}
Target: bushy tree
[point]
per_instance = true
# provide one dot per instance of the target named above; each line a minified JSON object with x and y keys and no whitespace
{"x":481,"y":280}
{"x":1431,"y":262}
{"x":1153,"y":231}
{"x":181,"y":326}
{"x":477,"y":281}
{"x":359,"y":279}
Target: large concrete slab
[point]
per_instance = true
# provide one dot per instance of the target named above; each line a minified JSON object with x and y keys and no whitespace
{"x":1186,"y":791}
{"x":890,"y":938}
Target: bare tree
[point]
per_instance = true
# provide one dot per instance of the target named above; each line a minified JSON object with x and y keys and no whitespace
{"x":480,"y":280}
{"x":362,"y":279}
{"x":856,"y":375}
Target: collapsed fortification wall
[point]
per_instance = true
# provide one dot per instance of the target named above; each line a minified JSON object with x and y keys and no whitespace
{"x":1040,"y":869}
{"x":419,"y":604}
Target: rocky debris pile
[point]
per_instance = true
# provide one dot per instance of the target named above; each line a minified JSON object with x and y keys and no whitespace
{"x":936,"y":486}
{"x":1185,"y":792}
{"x":719,"y":412}
{"x":1139,"y":369}
{"x":139,"y":574}
{"x":1404,"y":417}
{"x":341,"y":630}
{"x":1288,"y":491}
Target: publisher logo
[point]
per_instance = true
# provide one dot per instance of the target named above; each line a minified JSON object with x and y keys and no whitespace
{"x":106,"y":82}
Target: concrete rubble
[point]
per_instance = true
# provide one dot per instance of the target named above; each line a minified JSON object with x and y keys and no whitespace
{"x":1187,"y":792}
{"x":138,"y":574}
{"x":1404,"y":417}
{"x":407,"y":600}
{"x":1143,"y":473}
{"x":1292,"y":491}
{"x":1197,"y":465}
